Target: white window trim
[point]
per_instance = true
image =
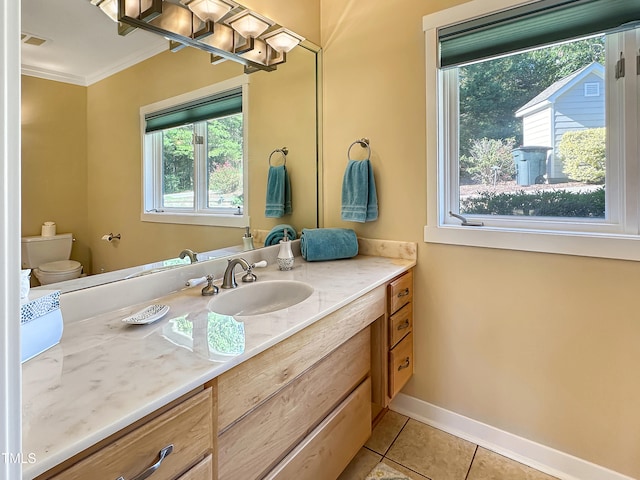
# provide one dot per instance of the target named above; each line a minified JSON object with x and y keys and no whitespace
{"x":190,"y":218}
{"x":608,"y":243}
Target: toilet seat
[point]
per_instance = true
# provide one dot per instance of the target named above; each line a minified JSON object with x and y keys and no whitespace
{"x":60,"y":266}
{"x":58,"y":271}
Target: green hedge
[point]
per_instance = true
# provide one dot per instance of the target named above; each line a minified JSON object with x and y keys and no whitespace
{"x":583,"y":155}
{"x":557,"y":203}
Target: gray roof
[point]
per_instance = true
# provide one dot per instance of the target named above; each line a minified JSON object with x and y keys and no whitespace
{"x":558,"y":86}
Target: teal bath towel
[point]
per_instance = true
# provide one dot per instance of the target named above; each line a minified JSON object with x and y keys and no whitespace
{"x":278,"y":192}
{"x":277,"y":233}
{"x":319,"y":244}
{"x":359,"y":198}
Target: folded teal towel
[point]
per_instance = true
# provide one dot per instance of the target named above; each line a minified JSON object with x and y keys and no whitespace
{"x":318,"y":244}
{"x":359,"y":198}
{"x":278,"y":192}
{"x":277,"y":233}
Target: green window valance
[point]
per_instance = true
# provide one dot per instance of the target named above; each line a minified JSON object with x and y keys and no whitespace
{"x":214,"y":106}
{"x":533,"y":25}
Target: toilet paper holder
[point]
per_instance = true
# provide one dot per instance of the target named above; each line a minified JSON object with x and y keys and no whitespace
{"x":110,"y":237}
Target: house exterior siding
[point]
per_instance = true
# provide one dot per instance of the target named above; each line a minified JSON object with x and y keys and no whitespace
{"x":569,"y":109}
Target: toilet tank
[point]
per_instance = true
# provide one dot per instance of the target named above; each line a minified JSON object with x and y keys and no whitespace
{"x":38,"y":250}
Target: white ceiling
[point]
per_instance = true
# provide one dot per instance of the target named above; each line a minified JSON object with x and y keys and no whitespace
{"x":83,"y":45}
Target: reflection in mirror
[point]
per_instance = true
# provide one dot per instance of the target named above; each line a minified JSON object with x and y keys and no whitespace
{"x":82,"y":158}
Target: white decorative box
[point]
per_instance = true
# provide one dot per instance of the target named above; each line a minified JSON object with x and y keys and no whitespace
{"x":40,"y":323}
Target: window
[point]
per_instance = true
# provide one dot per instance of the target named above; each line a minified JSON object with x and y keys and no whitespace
{"x":523,"y":150}
{"x":194,"y":157}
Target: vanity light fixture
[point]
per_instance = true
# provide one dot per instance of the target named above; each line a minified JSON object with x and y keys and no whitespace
{"x":225,"y":29}
{"x":282,"y":40}
{"x":110,"y":7}
{"x":212,"y":10}
{"x":249,"y":24}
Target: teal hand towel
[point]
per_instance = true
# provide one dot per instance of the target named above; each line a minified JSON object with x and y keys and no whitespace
{"x":359,"y":197}
{"x":319,"y":244}
{"x":278,"y":192}
{"x":277,"y":233}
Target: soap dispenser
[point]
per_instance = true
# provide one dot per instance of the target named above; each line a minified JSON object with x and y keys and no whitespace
{"x":247,"y":240}
{"x":285,"y":255}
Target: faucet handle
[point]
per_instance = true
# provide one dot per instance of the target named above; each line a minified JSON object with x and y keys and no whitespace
{"x":210,"y":288}
{"x":249,"y":276}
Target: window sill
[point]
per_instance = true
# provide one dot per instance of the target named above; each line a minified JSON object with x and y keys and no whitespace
{"x":614,"y":246}
{"x":239,"y":221}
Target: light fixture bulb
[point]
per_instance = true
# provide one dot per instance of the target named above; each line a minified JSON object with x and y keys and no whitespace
{"x":212,"y":10}
{"x":249,"y":24}
{"x":283,"y":40}
{"x":110,"y":7}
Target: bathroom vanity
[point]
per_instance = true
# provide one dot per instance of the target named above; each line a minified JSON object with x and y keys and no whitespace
{"x":284,"y":394}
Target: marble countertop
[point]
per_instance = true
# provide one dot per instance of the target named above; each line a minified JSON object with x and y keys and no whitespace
{"x":105,"y":375}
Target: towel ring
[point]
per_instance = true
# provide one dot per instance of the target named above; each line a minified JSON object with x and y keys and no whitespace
{"x":364,"y":143}
{"x":284,"y":151}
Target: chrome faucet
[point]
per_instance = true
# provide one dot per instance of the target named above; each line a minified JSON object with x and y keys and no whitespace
{"x":229,"y":279}
{"x":193,"y":256}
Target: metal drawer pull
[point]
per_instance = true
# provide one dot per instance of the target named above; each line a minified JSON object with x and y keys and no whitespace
{"x":404,"y":325}
{"x":404,"y":364}
{"x":403,"y":293}
{"x":149,"y":471}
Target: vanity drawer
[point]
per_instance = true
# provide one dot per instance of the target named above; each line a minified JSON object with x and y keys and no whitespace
{"x":400,"y":323}
{"x":400,"y":292}
{"x":329,"y":448}
{"x":400,"y":365}
{"x":261,"y":439}
{"x":188,"y":427}
{"x":203,"y":470}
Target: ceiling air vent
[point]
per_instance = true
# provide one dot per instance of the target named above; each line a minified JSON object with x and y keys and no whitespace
{"x":31,"y":39}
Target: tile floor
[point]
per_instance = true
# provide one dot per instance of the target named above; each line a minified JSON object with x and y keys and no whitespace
{"x":425,"y":453}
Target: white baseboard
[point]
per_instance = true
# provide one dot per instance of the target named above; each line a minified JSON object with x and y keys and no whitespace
{"x":545,"y":459}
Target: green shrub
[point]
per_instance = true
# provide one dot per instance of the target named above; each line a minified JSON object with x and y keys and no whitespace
{"x":225,"y":179}
{"x":556,"y":203}
{"x":484,"y":155}
{"x":582,"y":153}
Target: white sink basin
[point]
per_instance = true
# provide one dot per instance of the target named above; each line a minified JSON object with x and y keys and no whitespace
{"x":260,"y":297}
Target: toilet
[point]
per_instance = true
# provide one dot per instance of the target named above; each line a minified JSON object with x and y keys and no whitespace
{"x":48,"y":257}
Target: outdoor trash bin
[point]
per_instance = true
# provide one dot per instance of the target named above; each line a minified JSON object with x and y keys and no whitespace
{"x":531,"y":164}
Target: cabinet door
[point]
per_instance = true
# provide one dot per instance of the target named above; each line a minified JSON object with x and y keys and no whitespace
{"x":188,"y":428}
{"x":400,"y":365}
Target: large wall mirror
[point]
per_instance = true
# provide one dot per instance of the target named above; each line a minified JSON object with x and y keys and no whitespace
{"x":81,"y":147}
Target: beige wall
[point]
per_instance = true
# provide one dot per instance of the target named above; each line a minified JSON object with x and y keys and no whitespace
{"x":54,"y":160}
{"x":542,"y":346}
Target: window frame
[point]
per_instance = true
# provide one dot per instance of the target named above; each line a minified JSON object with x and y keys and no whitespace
{"x":152,"y":171}
{"x":617,"y":237}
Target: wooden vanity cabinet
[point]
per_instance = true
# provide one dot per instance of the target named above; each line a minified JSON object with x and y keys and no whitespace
{"x":392,"y":344}
{"x":299,"y":410}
